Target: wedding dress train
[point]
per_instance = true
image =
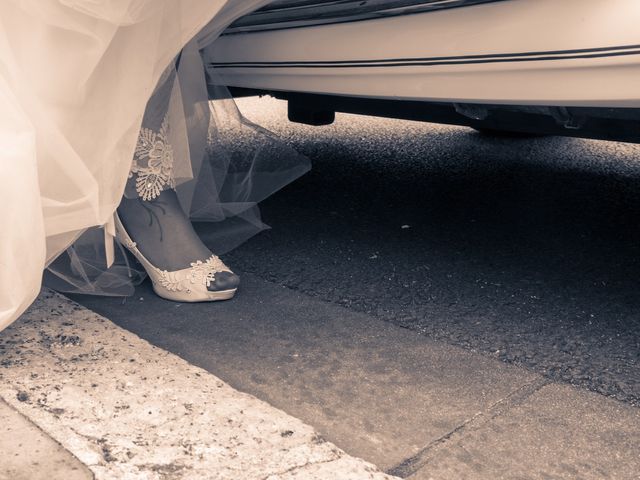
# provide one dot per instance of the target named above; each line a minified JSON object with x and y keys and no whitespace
{"x":75,"y":79}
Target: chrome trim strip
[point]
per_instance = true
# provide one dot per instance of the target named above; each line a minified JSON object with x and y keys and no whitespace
{"x":287,"y":14}
{"x":597,"y":52}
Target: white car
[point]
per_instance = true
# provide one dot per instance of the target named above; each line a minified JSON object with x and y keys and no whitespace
{"x":562,"y":67}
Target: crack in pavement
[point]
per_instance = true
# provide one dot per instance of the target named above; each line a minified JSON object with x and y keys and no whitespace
{"x":413,"y":464}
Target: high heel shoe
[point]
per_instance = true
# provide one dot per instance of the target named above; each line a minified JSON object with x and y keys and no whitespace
{"x":187,"y":285}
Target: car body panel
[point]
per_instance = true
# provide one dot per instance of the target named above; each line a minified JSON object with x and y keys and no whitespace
{"x":583,"y":53}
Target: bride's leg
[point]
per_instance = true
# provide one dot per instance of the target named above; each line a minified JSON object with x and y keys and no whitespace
{"x":150,"y":210}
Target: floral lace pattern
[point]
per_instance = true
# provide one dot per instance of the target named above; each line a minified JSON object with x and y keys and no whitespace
{"x":200,"y":273}
{"x":153,"y":162}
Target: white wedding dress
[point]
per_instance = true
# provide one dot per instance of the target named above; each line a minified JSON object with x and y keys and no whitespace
{"x":75,"y":79}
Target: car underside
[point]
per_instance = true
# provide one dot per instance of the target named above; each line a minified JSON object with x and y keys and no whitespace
{"x":538,"y":67}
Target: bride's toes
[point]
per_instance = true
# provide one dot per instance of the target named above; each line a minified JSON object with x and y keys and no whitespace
{"x":224,"y":281}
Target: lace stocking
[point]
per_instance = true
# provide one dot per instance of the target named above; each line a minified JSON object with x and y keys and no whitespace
{"x":152,"y":164}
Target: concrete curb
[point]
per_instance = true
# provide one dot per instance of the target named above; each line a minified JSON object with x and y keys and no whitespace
{"x":30,"y":454}
{"x":127,"y":409}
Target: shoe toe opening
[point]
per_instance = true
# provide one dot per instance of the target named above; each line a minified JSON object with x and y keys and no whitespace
{"x":224,"y":281}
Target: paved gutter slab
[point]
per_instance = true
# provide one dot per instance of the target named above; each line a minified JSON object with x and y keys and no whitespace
{"x":127,"y":409}
{"x":378,"y":391}
{"x":558,"y":432}
{"x":30,"y":454}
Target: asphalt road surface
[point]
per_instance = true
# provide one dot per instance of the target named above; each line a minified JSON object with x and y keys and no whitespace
{"x":524,"y":249}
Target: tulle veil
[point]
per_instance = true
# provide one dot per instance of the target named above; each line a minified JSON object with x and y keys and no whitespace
{"x":75,"y":79}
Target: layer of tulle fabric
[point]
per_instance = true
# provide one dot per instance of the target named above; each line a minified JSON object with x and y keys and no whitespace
{"x":194,"y":140}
